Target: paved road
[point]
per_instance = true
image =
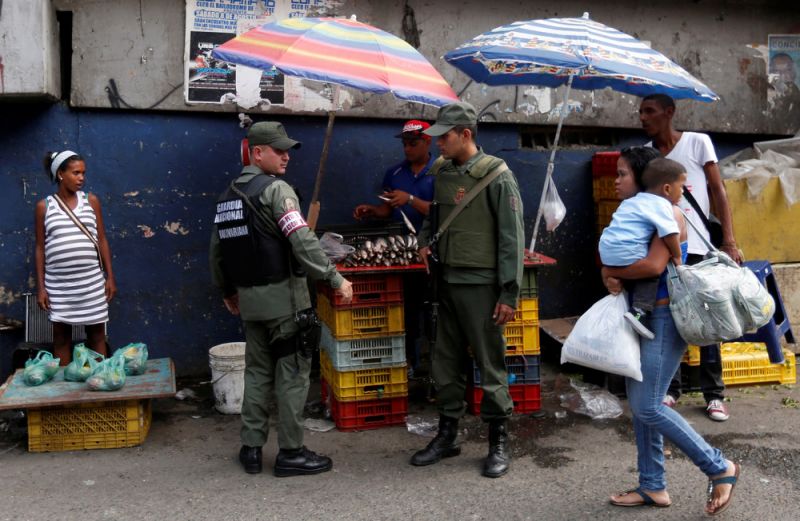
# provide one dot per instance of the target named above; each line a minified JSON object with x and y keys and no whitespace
{"x":562,"y":469}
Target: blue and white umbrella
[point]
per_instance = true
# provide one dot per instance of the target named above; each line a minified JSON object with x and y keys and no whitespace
{"x":576,"y":52}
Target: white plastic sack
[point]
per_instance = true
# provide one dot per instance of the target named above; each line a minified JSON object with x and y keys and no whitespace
{"x":767,"y":159}
{"x":717,"y":300}
{"x":553,"y":210}
{"x":602,"y":339}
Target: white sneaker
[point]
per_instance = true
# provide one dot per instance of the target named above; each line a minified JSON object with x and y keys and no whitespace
{"x":669,"y":401}
{"x":717,"y":411}
{"x":636,"y":324}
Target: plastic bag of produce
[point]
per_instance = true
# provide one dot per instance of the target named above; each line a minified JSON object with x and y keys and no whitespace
{"x":134,"y":356}
{"x":40,"y":369}
{"x":84,"y":362}
{"x":109,"y":375}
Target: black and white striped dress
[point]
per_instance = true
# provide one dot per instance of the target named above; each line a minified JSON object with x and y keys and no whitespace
{"x":72,"y":275}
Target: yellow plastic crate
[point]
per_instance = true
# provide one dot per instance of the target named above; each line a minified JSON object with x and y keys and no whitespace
{"x":605,"y":209}
{"x":364,"y":384}
{"x":527,"y":310}
{"x":748,"y":363}
{"x":692,"y":355}
{"x":99,"y":425}
{"x":361,"y":322}
{"x":603,"y":188}
{"x":522,"y":338}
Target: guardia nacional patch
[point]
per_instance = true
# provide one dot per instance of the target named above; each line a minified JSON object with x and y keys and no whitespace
{"x":513,"y":202}
{"x":289,"y":205}
{"x":460,"y":193}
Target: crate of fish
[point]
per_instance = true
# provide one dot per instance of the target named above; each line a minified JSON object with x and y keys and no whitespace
{"x":522,"y":338}
{"x":364,"y":384}
{"x":368,"y":290}
{"x":748,"y":363}
{"x":97,"y":425}
{"x":526,"y":397}
{"x":384,"y":251}
{"x":364,"y":353}
{"x":361,"y":322}
{"x":370,"y":414}
{"x":521,"y":369}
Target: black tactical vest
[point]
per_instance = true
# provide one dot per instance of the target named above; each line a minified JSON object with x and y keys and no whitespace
{"x":252,"y":255}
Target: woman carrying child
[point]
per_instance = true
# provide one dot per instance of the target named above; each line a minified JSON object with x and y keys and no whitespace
{"x":660,"y":357}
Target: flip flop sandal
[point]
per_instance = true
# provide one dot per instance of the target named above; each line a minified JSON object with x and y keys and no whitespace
{"x":646,"y":501}
{"x":728,"y":480}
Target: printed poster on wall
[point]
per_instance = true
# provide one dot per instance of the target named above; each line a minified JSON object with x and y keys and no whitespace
{"x":210,"y":23}
{"x":784,"y":62}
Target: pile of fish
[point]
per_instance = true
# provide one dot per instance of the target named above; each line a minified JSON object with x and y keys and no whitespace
{"x":394,"y":250}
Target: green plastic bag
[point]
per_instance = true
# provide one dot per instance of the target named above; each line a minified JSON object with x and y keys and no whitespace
{"x":135,"y":357}
{"x":40,"y":369}
{"x":109,"y":375}
{"x":84,"y":362}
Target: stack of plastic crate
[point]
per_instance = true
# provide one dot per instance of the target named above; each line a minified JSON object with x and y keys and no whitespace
{"x":604,"y":172}
{"x":748,"y":363}
{"x":522,"y":354}
{"x":362,"y":360}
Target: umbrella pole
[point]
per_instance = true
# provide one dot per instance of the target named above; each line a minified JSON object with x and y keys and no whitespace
{"x":548,"y":178}
{"x":313,"y":207}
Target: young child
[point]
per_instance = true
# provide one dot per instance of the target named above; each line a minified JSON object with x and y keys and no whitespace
{"x":627,"y":239}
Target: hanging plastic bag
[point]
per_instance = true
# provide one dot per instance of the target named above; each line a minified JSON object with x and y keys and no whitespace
{"x":587,"y":399}
{"x":602,"y":339}
{"x":84,"y":362}
{"x":109,"y":375}
{"x":134,"y":357}
{"x":553,"y":209}
{"x":40,"y":369}
{"x":333,"y":247}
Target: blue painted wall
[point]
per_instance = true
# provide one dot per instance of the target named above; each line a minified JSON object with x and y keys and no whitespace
{"x":162,"y":172}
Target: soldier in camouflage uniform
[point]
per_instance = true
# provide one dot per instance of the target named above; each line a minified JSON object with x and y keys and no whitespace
{"x":260,"y":254}
{"x":480,"y":257}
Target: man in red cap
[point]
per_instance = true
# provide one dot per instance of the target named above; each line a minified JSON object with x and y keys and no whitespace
{"x":406,"y":186}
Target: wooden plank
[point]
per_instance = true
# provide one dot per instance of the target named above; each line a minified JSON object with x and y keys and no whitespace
{"x":158,"y":381}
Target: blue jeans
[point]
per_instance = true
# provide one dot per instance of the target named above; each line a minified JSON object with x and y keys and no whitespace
{"x":652,"y":420}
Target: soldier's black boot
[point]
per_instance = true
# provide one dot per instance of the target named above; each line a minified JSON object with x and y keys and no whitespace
{"x":442,"y":446}
{"x":250,"y":458}
{"x":499,"y":457}
{"x":295,"y":462}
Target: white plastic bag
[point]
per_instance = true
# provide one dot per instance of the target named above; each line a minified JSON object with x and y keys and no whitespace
{"x":331,"y":244}
{"x":602,"y":339}
{"x":553,"y":210}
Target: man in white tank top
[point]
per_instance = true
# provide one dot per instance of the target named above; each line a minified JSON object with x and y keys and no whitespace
{"x":704,"y":181}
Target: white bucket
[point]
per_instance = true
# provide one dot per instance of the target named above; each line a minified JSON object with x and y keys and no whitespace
{"x":227,"y":376}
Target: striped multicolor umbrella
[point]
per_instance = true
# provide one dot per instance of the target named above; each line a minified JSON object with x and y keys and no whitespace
{"x":548,"y":52}
{"x":576,"y":52}
{"x":341,"y":51}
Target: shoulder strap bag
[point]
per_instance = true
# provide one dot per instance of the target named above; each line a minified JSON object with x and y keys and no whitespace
{"x":711,"y":223}
{"x":67,"y":210}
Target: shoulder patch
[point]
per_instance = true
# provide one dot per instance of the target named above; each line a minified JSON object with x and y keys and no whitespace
{"x":289,"y":204}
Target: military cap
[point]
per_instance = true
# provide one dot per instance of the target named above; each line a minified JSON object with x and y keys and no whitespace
{"x":270,"y":133}
{"x":459,"y":113}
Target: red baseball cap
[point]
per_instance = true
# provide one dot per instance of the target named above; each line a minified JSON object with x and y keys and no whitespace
{"x":414,"y":128}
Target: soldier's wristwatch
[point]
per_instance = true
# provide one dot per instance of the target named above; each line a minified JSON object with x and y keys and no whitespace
{"x":410,"y":199}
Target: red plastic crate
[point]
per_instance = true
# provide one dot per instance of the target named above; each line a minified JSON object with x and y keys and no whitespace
{"x":527,"y":398}
{"x":371,"y":414}
{"x":604,"y":164}
{"x":368,"y":290}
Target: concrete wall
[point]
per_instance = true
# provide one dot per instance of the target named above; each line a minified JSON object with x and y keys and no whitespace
{"x":140,"y":45}
{"x":158,"y":174}
{"x":29,"y":51}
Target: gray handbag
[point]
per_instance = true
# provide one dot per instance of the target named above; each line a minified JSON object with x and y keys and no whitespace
{"x":716,"y":300}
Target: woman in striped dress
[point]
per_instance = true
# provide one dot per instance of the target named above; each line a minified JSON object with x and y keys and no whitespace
{"x":72,"y":287}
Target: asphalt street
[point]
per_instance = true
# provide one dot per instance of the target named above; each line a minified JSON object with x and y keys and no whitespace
{"x":563,"y":469}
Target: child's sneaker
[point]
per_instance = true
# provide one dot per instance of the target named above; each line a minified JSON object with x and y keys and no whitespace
{"x":635,"y":320}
